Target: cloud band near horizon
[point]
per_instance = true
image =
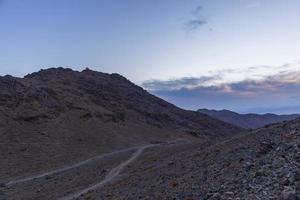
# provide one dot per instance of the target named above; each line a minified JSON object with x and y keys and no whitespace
{"x":276,"y":93}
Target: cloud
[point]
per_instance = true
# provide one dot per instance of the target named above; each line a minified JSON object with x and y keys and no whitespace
{"x":198,"y":9}
{"x":227,"y":76}
{"x":270,"y":93}
{"x":175,"y":84}
{"x":197,"y":21}
{"x":195,"y":24}
{"x":186,"y":82}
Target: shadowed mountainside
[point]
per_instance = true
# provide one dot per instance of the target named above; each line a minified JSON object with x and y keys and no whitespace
{"x":59,"y":116}
{"x":247,"y":120}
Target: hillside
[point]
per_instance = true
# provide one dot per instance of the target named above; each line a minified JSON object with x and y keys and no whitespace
{"x":60,"y":116}
{"x":262,"y":164}
{"x":247,"y":120}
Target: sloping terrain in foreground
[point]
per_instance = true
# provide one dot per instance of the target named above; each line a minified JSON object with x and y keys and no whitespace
{"x":76,"y":180}
{"x":248,"y":121}
{"x":264,"y":164}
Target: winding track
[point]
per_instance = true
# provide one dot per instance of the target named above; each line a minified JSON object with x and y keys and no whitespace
{"x":66,"y":168}
{"x":108,"y":178}
{"x":117,"y":170}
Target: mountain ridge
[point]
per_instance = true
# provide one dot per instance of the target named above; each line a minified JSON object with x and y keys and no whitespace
{"x":250,"y":120}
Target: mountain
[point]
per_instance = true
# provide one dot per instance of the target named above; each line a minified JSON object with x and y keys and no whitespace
{"x":247,"y":120}
{"x":58,"y":116}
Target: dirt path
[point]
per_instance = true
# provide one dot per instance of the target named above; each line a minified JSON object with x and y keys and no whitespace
{"x":117,"y":170}
{"x":112,"y":174}
{"x":66,"y":168}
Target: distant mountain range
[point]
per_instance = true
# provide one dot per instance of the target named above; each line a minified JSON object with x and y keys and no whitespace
{"x":247,"y":120}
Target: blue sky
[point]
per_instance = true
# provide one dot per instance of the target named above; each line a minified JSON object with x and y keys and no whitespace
{"x":165,"y":42}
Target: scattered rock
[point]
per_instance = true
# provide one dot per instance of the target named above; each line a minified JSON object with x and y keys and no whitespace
{"x":297,"y":175}
{"x":171,"y":163}
{"x":297,"y":185}
{"x":288,"y":194}
{"x":215,"y":196}
{"x":174,"y":184}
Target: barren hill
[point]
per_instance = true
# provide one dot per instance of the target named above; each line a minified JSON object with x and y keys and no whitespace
{"x":60,"y":116}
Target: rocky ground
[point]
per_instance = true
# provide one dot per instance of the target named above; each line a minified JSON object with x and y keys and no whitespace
{"x":69,"y":180}
{"x":262,"y":164}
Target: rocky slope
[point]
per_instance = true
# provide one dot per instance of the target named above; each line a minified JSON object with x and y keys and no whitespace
{"x":60,"y":116}
{"x":248,"y":120}
{"x":263,"y":164}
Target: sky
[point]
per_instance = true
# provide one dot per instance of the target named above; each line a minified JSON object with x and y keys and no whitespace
{"x":241,"y":55}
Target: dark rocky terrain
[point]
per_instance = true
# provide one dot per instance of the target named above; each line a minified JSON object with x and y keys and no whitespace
{"x":263,"y":164}
{"x":248,"y":121}
{"x":59,"y":117}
